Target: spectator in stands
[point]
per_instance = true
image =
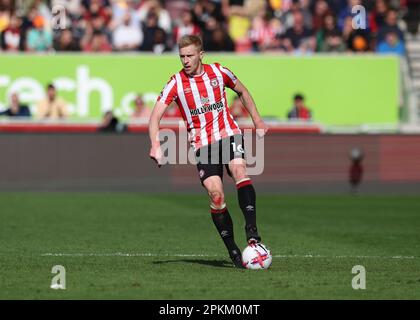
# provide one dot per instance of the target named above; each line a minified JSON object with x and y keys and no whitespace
{"x":391,"y":25}
{"x":127,"y":36}
{"x":4,"y":18}
{"x":321,"y":10}
{"x":377,"y":16}
{"x":52,"y":107}
{"x":39,"y":38}
{"x":329,"y":26}
{"x":299,"y":38}
{"x":110,"y":123}
{"x":288,"y":19}
{"x":220,"y":41}
{"x":10,"y":38}
{"x":16,"y":109}
{"x":299,"y":111}
{"x":333,"y":42}
{"x":185,"y":27}
{"x":98,"y":42}
{"x":239,"y":13}
{"x":66,"y":42}
{"x":412,"y":16}
{"x":237,"y":109}
{"x":391,"y":44}
{"x":204,"y":10}
{"x":97,"y":8}
{"x":265,"y":33}
{"x":141,"y":111}
{"x":164,"y":21}
{"x":154,"y":36}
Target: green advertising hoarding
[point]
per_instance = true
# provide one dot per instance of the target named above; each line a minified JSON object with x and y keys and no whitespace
{"x":340,"y":90}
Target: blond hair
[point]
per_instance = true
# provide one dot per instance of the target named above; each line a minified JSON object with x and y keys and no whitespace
{"x":188,"y":40}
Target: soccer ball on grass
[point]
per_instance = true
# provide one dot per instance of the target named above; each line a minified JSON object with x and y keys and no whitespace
{"x":256,"y":256}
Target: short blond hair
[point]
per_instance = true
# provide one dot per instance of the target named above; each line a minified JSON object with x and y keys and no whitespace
{"x":188,"y":40}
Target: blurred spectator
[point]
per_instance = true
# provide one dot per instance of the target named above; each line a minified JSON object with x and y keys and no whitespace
{"x":391,"y":25}
{"x":66,"y":42}
{"x":321,"y":10}
{"x":299,"y":111}
{"x":265,"y":33}
{"x":127,"y":36}
{"x":39,"y":38}
{"x":392,"y":44}
{"x":4,"y":17}
{"x":98,"y":43}
{"x":110,"y":123}
{"x":239,"y":13}
{"x":377,"y":16}
{"x":154,"y":6}
{"x":16,"y":109}
{"x":121,"y":7}
{"x":10,"y":38}
{"x":412,"y":16}
{"x":97,"y":8}
{"x":333,"y":42}
{"x":204,"y":10}
{"x":140,"y":109}
{"x":237,"y":109}
{"x":220,"y":41}
{"x":185,"y":27}
{"x":299,"y":38}
{"x":291,"y":8}
{"x":52,"y":107}
{"x":154,"y":36}
{"x":329,"y":26}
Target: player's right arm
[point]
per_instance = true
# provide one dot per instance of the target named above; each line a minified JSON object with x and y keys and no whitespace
{"x":157,"y":114}
{"x":168,"y":94}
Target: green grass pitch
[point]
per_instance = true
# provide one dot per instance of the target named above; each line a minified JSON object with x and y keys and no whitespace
{"x":138,"y":246}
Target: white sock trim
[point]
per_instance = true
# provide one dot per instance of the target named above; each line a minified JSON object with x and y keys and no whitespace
{"x":242,"y":180}
{"x":214,"y":207}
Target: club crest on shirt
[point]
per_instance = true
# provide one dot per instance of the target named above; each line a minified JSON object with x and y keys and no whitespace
{"x":214,"y":83}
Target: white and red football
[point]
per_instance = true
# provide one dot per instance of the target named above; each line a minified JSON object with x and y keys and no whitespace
{"x":257,"y":256}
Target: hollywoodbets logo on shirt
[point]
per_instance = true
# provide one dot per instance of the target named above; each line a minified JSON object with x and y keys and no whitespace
{"x":218,"y":106}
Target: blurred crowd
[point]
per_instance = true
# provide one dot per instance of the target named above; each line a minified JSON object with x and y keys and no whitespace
{"x":299,"y":26}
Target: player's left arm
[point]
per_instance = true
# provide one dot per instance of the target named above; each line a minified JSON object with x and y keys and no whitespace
{"x":249,"y":104}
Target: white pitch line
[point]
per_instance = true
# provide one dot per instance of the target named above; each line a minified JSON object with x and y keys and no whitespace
{"x":148,"y":254}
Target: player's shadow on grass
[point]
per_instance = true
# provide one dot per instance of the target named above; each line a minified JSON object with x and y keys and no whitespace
{"x":213,"y":263}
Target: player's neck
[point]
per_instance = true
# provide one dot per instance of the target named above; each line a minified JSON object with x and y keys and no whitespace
{"x":198,"y":71}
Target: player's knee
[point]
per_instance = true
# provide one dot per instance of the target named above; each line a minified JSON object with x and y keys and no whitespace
{"x":217,"y":199}
{"x":239,"y":172}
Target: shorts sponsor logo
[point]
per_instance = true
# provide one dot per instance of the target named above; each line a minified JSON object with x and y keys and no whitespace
{"x":201,"y":173}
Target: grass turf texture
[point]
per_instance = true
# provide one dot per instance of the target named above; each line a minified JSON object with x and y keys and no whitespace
{"x":343,"y":231}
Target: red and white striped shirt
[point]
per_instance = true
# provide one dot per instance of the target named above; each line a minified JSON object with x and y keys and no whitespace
{"x":203,"y":104}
